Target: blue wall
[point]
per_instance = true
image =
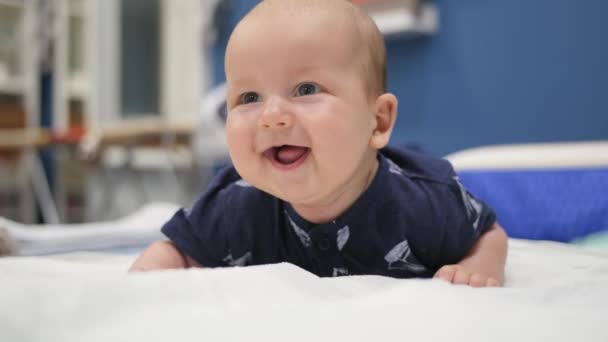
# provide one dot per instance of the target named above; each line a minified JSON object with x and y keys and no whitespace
{"x":498,"y":72}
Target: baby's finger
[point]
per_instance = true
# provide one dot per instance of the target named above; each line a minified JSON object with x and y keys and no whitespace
{"x":492,"y":282}
{"x":478,"y":280}
{"x":446,"y":273}
{"x":462,"y":277}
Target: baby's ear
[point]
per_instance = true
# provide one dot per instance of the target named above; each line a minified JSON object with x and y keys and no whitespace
{"x":385,"y":114}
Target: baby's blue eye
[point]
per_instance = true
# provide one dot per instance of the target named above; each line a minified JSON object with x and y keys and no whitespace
{"x":305,"y":89}
{"x":249,"y":97}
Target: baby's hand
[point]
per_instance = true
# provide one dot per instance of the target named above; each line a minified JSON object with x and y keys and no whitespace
{"x":457,"y":274}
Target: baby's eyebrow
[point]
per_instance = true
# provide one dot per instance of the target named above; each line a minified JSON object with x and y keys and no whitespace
{"x":235,"y":88}
{"x":239,"y":80}
{"x":305,"y":69}
{"x":239,"y":84}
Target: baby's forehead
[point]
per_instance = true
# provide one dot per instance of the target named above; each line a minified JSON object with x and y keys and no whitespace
{"x":317,"y":24}
{"x":310,"y":26}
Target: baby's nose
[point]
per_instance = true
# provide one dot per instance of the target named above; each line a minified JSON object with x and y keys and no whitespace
{"x":275,"y":115}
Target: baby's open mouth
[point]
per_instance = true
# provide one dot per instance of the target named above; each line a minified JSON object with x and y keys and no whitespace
{"x":286,"y":154}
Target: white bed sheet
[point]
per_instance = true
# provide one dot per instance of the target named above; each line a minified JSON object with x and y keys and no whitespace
{"x":131,"y":232}
{"x":553,"y":292}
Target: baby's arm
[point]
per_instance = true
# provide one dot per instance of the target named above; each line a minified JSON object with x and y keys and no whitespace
{"x":162,"y":255}
{"x":485,"y":263}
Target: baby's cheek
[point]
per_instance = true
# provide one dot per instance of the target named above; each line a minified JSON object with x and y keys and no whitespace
{"x":342,"y":155}
{"x":238,"y":137}
{"x":237,"y":149}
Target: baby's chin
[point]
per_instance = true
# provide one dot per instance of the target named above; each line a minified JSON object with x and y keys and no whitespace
{"x":293,"y":195}
{"x":304,"y":199}
{"x":296,"y":191}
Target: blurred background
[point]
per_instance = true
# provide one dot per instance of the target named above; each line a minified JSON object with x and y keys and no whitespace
{"x":106,"y":105}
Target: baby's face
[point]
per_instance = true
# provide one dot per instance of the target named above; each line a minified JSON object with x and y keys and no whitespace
{"x":299,"y":116}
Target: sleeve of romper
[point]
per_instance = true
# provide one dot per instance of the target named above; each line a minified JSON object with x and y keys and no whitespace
{"x":200,"y":232}
{"x":467,"y":218}
{"x":460,"y":219}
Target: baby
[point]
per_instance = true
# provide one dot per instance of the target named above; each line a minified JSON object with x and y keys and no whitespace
{"x":313,"y":182}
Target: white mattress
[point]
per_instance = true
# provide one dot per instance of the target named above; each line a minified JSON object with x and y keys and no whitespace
{"x":132,"y":232}
{"x":554,"y":292}
{"x":585,"y":154}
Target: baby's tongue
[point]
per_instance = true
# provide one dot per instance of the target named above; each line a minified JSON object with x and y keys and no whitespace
{"x":289,"y":154}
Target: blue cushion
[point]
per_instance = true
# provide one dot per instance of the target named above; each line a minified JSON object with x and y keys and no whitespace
{"x":546,"y":204}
